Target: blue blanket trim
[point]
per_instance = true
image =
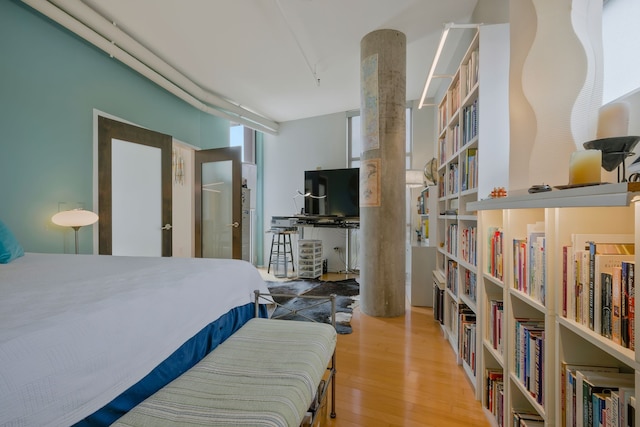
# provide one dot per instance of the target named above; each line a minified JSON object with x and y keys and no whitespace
{"x":190,"y":353}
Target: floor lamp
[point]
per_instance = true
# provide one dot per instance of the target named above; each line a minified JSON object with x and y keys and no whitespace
{"x":75,"y":219}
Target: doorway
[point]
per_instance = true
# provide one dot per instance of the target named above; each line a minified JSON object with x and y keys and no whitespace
{"x":134,"y":190}
{"x":218,"y":203}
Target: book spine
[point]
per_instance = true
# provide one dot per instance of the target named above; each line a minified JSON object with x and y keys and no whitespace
{"x":632,"y":304}
{"x":565,"y":265}
{"x":591,"y":278}
{"x":616,"y":304}
{"x":624,"y":306}
{"x":606,"y":281}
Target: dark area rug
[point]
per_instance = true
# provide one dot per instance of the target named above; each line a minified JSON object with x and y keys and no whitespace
{"x":347,"y":294}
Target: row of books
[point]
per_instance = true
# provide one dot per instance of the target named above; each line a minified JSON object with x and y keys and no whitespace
{"x":468,"y":244}
{"x":452,"y":317}
{"x":451,"y":239}
{"x":495,"y":394}
{"x":527,"y":419}
{"x":443,"y":150}
{"x":443,"y":115}
{"x":452,"y":179}
{"x":470,"y":282}
{"x":454,"y":96}
{"x":452,"y":276}
{"x":472,"y":70}
{"x":529,"y":263}
{"x":438,"y":304}
{"x":494,"y":325}
{"x":598,"y":285}
{"x":495,"y":403}
{"x":469,"y":122}
{"x":529,"y":356}
{"x":467,"y":336}
{"x":594,"y":396}
{"x":449,"y":143}
{"x":469,"y":170}
{"x":495,"y":252}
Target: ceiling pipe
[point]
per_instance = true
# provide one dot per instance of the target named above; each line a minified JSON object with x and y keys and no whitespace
{"x":110,"y":31}
{"x":172,"y":81}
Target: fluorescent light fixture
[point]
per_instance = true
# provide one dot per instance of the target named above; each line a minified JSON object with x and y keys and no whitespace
{"x":443,"y":38}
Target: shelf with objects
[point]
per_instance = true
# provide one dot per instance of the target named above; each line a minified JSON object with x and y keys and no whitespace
{"x":559,"y":337}
{"x":423,"y":249}
{"x":471,"y":121}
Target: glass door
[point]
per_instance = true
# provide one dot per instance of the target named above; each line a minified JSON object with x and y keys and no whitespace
{"x":218,"y":203}
{"x":134,"y":190}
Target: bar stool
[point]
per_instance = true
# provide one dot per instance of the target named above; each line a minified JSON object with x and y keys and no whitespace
{"x":283,"y":253}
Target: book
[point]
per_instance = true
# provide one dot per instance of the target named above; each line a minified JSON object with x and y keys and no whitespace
{"x":568,"y":388}
{"x":581,"y":286}
{"x":606,"y":305}
{"x":632,"y":291}
{"x":494,"y":378}
{"x":599,"y":405}
{"x":624,"y":305}
{"x":588,"y":382}
{"x":616,"y":304}
{"x":522,"y":418}
{"x":535,"y":255}
{"x":520,"y":264}
{"x":602,"y":258}
{"x":580,"y":244}
{"x":568,"y":282}
{"x":528,"y":332}
{"x":619,"y":403}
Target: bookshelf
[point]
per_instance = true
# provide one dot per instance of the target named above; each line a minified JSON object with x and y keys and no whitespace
{"x":472,"y":120}
{"x":608,"y":209}
{"x":423,"y":257}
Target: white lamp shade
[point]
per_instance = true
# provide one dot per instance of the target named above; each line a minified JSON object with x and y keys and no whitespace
{"x":414,"y":178}
{"x":74,"y":218}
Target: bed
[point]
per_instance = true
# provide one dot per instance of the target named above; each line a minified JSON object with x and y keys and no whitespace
{"x":84,"y":338}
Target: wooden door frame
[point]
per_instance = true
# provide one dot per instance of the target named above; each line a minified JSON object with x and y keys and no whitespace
{"x":234,"y":154}
{"x":109,"y":129}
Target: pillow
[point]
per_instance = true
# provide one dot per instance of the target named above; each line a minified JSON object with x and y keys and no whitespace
{"x":10,"y":249}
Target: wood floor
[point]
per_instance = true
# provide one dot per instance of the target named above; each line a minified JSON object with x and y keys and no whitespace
{"x":401,"y":372}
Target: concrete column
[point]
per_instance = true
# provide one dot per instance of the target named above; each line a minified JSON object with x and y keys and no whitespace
{"x":382,"y":173}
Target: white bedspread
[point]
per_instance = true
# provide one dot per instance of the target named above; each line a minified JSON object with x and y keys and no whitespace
{"x":78,"y":330}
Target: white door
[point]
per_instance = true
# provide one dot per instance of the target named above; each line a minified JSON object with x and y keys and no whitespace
{"x":134,"y":190}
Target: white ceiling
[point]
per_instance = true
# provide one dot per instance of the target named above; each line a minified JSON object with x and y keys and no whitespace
{"x":283,"y":59}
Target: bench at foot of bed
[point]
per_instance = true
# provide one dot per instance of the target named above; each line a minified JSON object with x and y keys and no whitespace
{"x":268,"y":373}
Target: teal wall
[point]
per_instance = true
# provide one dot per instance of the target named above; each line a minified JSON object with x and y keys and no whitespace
{"x":50,"y":83}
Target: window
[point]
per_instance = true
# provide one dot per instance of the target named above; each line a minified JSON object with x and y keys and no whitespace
{"x":355,"y":139}
{"x":620,"y":34}
{"x":241,"y":136}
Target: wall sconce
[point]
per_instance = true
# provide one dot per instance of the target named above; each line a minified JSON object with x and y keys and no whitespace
{"x":177,"y":165}
{"x":75,"y":219}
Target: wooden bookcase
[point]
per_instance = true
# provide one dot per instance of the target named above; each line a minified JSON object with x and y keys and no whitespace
{"x":473,"y":140}
{"x":604,"y":209}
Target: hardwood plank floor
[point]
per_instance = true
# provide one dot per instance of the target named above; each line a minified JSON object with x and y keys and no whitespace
{"x":401,"y":372}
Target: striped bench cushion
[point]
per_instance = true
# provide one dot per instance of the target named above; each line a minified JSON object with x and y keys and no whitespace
{"x":265,"y":374}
